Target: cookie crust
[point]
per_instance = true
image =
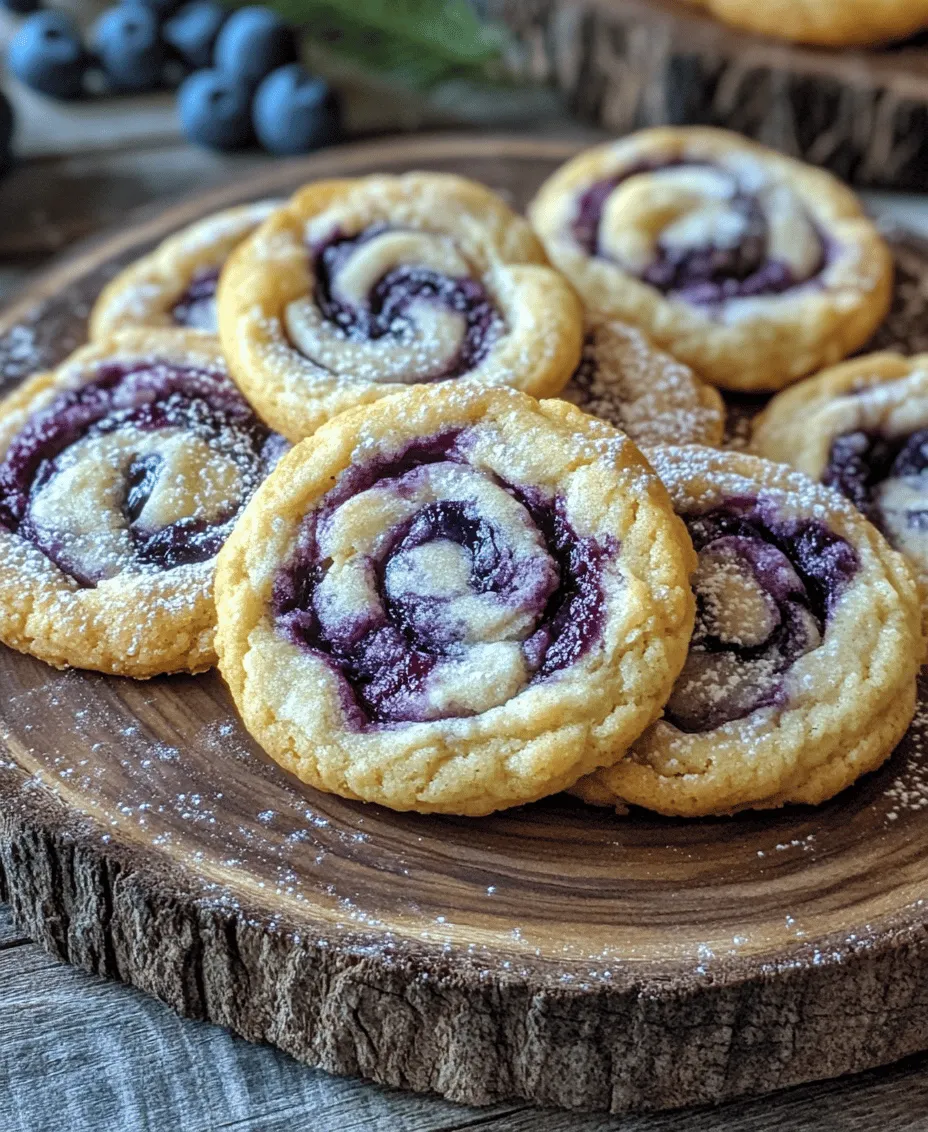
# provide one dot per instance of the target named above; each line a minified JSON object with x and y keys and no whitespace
{"x":881,"y":397}
{"x":147,"y":294}
{"x":625,"y":380}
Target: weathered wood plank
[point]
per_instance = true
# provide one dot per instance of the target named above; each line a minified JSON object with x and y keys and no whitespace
{"x":85,"y":1054}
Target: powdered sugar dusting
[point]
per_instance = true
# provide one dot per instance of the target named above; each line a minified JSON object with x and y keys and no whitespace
{"x":625,"y":380}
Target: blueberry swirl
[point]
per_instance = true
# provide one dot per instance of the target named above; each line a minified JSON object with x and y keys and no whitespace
{"x":144,"y":468}
{"x":702,"y":232}
{"x":765,"y":588}
{"x":195,"y":308}
{"x":454,"y":600}
{"x":801,"y":670}
{"x":862,"y":428}
{"x":406,"y":306}
{"x":437,"y":590}
{"x":887,"y":478}
{"x":175,"y":285}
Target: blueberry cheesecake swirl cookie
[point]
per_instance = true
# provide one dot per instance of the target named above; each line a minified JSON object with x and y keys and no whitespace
{"x":455,"y":600}
{"x":750,"y":267}
{"x":625,"y":380}
{"x":862,"y":428}
{"x":121,"y":475}
{"x":174,"y":287}
{"x":359,"y":288}
{"x":828,"y":23}
{"x":802,"y":666}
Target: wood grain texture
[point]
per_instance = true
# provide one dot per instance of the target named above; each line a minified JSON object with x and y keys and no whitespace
{"x":552,"y":953}
{"x":630,"y":63}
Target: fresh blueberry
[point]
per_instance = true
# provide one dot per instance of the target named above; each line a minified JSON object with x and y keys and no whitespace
{"x":21,"y":7}
{"x":46,"y":53}
{"x":128,"y":44}
{"x":252,"y":43}
{"x":294,"y":112}
{"x":193,"y":30}
{"x":215,"y":110}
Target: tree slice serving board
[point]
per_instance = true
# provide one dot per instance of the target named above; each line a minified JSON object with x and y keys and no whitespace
{"x":555,"y":952}
{"x":630,"y":63}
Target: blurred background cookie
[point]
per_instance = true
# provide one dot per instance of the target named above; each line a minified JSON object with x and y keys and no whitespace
{"x":752,"y":268}
{"x":830,"y":23}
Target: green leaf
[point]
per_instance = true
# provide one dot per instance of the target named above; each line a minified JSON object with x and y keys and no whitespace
{"x":421,"y":41}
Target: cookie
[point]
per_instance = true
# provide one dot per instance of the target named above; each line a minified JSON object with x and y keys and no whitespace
{"x":862,"y":428}
{"x":454,"y":600}
{"x":748,"y":266}
{"x":121,"y":474}
{"x":625,"y":380}
{"x":175,"y":285}
{"x":802,"y":666}
{"x":828,"y":23}
{"x":359,"y":288}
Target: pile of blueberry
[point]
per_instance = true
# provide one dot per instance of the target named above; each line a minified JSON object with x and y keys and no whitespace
{"x":243,"y":81}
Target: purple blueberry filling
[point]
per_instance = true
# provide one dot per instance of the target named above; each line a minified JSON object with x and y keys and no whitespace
{"x":387,"y":310}
{"x":859,"y":462}
{"x":144,"y":397}
{"x":765,"y":588}
{"x":196,"y":308}
{"x":390,"y":651}
{"x":492,"y":570}
{"x":703,"y":276}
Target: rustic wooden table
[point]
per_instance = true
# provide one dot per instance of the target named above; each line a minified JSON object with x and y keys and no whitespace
{"x":80,"y":1053}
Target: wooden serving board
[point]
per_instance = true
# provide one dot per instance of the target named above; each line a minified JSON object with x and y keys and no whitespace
{"x":556,"y":952}
{"x":624,"y":64}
